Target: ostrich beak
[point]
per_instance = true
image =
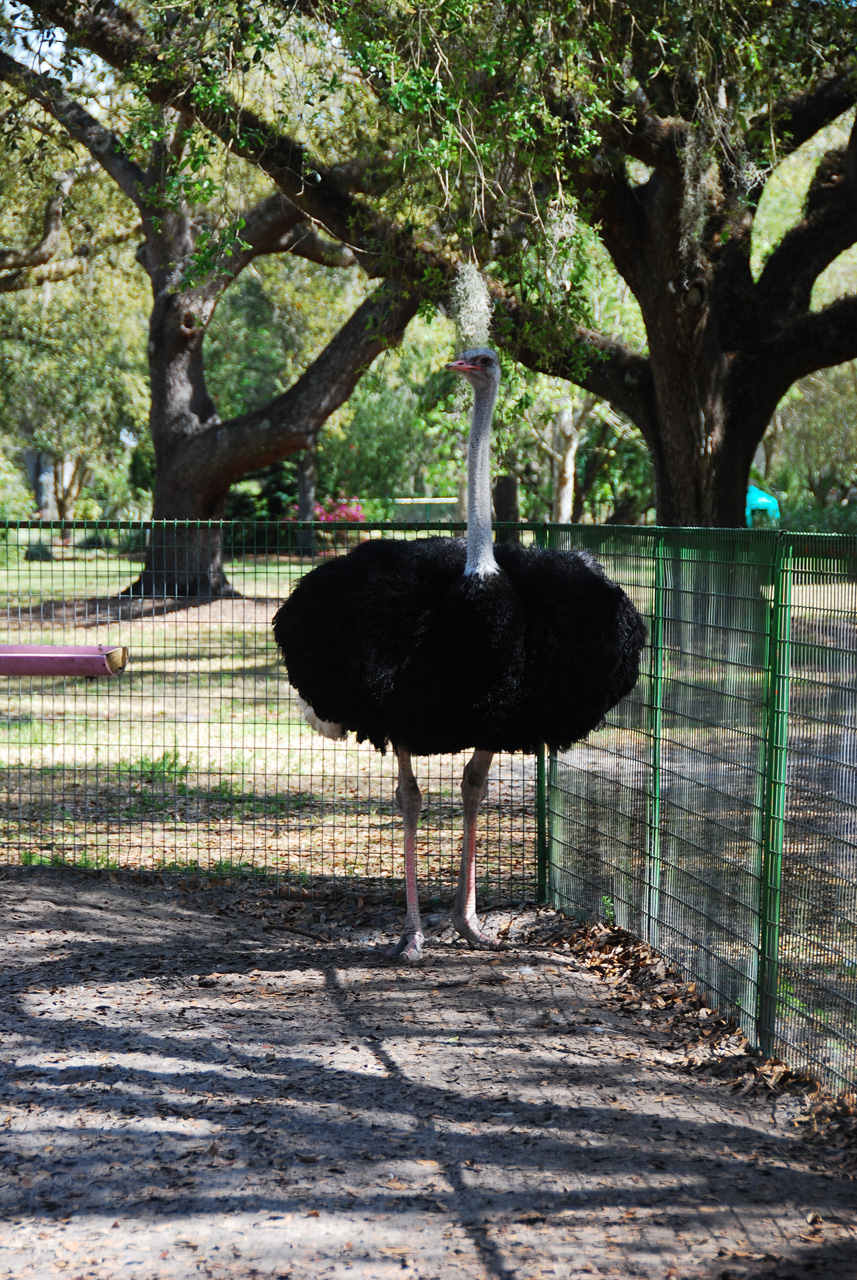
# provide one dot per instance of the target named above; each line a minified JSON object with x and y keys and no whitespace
{"x":462,"y":366}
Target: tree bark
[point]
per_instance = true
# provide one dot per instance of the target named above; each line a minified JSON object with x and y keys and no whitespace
{"x":40,"y":471}
{"x":506,"y":506}
{"x":569,"y":440}
{"x":307,"y":480}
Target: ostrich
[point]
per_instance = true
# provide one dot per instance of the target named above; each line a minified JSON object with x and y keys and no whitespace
{"x":441,"y":645}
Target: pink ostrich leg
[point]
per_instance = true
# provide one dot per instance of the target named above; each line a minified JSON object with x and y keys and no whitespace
{"x":409,"y":800}
{"x":474,"y":784}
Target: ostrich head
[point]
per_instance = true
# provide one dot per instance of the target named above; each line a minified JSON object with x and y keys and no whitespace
{"x":481,"y":367}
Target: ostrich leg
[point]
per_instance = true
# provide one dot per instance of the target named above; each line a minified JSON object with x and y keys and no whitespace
{"x":474,"y":784}
{"x":409,"y":800}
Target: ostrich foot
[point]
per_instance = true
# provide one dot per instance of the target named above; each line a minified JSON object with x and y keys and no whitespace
{"x":409,"y":947}
{"x":470,"y":928}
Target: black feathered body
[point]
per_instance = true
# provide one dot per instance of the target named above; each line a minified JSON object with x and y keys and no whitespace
{"x":395,"y":643}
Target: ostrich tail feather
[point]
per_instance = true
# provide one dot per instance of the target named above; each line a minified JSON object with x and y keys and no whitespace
{"x":327,"y":728}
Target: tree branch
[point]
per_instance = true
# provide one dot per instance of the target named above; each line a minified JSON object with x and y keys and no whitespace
{"x":290,"y":422}
{"x":29,"y":278}
{"x":84,"y":128}
{"x":274,"y":225}
{"x":800,"y":116}
{"x":652,"y":139}
{"x":316,"y":189}
{"x":828,"y":227}
{"x":307,"y":243}
{"x":597,"y":363}
{"x":815,"y":341}
{"x":44,"y":249}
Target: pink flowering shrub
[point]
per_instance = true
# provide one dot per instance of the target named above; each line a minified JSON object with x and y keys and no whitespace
{"x":339,"y":508}
{"x":335,"y":513}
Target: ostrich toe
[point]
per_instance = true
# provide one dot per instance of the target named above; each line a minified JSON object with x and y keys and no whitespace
{"x":409,"y":948}
{"x":469,"y":927}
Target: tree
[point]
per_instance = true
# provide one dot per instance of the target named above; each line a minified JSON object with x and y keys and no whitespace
{"x":817,"y":434}
{"x":598,"y":467}
{"x":191,"y":254}
{"x":660,"y":125}
{"x":72,"y":389}
{"x":429,"y":134}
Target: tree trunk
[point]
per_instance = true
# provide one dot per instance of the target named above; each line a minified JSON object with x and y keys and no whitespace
{"x":198,"y":457}
{"x":307,"y":481}
{"x":506,"y":506}
{"x":701,"y":470}
{"x":41,"y":474}
{"x":182,"y":559}
{"x":568,"y":439}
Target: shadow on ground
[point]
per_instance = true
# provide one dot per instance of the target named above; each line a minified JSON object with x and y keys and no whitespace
{"x":189,"y":1090}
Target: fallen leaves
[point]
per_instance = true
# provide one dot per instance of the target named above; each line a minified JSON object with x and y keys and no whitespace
{"x":642,"y":982}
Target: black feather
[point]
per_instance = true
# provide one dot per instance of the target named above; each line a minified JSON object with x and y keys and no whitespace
{"x":395,"y":643}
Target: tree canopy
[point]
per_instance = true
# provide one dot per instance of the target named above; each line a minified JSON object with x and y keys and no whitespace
{"x":547,"y":144}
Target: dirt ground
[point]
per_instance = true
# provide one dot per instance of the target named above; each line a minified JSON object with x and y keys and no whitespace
{"x":203,"y":1082}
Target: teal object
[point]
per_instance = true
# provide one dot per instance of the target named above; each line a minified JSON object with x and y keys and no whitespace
{"x":758,"y":500}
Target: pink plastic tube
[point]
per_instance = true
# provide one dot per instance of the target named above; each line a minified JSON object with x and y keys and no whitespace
{"x":62,"y":660}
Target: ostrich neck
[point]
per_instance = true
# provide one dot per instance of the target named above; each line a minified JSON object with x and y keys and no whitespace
{"x":480,"y":553}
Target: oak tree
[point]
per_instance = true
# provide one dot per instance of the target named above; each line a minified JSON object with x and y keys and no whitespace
{"x":425,"y":135}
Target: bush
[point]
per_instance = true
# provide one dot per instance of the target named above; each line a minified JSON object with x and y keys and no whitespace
{"x":10,"y":549}
{"x":39,"y":551}
{"x":98,"y":540}
{"x":253,"y":537}
{"x":133,"y":542}
{"x":806,"y":516}
{"x":339,"y":508}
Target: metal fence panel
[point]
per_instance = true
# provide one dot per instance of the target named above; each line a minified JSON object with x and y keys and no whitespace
{"x":816,"y":1020}
{"x":716,"y":816}
{"x":197,"y":757}
{"x":598,"y":796}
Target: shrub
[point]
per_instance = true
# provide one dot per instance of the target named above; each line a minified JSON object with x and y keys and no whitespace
{"x":39,"y":551}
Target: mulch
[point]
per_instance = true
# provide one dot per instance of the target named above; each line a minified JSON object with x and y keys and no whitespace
{"x":208,"y":1080}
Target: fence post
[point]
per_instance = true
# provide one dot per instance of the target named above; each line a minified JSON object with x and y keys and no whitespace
{"x":653,"y":816}
{"x":541,"y":828}
{"x":774,"y":782}
{"x":540,"y":536}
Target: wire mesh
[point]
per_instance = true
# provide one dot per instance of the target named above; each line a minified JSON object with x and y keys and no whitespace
{"x":197,"y":758}
{"x":716,"y":814}
{"x":817,"y":976}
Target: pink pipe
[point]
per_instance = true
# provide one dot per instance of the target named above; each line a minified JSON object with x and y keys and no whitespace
{"x":62,"y":660}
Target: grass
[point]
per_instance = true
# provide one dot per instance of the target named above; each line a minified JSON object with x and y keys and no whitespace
{"x":196,"y":758}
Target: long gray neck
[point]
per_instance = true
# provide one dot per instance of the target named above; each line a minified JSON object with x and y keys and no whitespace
{"x":480,"y":552}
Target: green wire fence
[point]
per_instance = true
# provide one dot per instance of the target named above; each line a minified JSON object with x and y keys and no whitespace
{"x":715,"y":815}
{"x":197,"y":758}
